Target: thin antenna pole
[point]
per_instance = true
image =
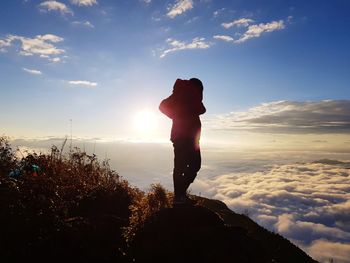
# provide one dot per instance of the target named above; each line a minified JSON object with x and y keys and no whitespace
{"x":71,"y":136}
{"x":64,"y":143}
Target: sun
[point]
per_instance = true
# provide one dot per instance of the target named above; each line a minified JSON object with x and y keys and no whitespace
{"x":145,"y":122}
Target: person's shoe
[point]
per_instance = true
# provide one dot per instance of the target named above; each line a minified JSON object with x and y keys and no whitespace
{"x":179,"y":200}
{"x":190,"y":201}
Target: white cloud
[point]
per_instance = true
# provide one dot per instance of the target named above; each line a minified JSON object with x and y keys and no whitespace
{"x":305,"y":202}
{"x":176,"y":45}
{"x":326,"y":250}
{"x":295,"y":229}
{"x":5,"y":43}
{"x":55,"y":60}
{"x":52,"y":5}
{"x":83,"y":23}
{"x":147,"y":1}
{"x":50,"y":37}
{"x":83,"y":83}
{"x":218,"y":12}
{"x":224,"y":38}
{"x":181,"y":6}
{"x":328,"y":116}
{"x":84,"y":2}
{"x":32,"y":71}
{"x":41,"y":45}
{"x":256,"y":30}
{"x":243,"y":22}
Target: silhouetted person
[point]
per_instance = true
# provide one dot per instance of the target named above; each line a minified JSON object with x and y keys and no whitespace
{"x":184,"y":107}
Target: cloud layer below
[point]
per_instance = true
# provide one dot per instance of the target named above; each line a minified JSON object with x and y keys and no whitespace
{"x":309,"y":203}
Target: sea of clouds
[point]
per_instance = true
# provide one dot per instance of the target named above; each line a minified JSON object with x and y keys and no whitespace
{"x":306,"y":202}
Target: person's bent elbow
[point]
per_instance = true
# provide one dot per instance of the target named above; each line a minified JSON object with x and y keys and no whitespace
{"x":164,"y":108}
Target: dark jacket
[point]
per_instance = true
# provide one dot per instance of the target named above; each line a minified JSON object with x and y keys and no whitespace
{"x":184,"y":106}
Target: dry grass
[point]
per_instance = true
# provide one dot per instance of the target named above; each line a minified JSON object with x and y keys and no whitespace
{"x":71,"y":194}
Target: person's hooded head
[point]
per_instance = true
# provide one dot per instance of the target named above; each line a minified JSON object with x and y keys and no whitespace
{"x":198,"y":87}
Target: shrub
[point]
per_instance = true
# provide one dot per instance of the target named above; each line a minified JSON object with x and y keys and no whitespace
{"x":7,"y":156}
{"x":144,"y":206}
{"x":57,"y":197}
{"x":69,"y":205}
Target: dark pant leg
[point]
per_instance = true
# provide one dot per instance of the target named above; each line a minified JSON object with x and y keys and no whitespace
{"x":187,"y":163}
{"x":180,"y":166}
{"x":194,"y":165}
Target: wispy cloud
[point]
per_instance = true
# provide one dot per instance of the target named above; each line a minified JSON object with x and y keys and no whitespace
{"x":218,"y":12}
{"x":328,"y":116}
{"x":192,"y":20}
{"x":83,"y":83}
{"x":52,"y":5}
{"x":55,"y":60}
{"x":253,"y":30}
{"x":181,"y":6}
{"x":41,"y":45}
{"x":257,"y":30}
{"x":4,"y":43}
{"x":243,"y":22}
{"x":224,"y":38}
{"x":83,"y":23}
{"x":176,"y":45}
{"x":32,"y":71}
{"x":84,"y":2}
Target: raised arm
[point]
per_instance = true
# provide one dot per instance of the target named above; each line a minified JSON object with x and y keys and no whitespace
{"x":167,"y":107}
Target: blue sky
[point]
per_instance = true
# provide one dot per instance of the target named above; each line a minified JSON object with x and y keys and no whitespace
{"x":100,"y":62}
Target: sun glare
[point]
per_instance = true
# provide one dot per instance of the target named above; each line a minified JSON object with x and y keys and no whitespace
{"x":145,"y":122}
